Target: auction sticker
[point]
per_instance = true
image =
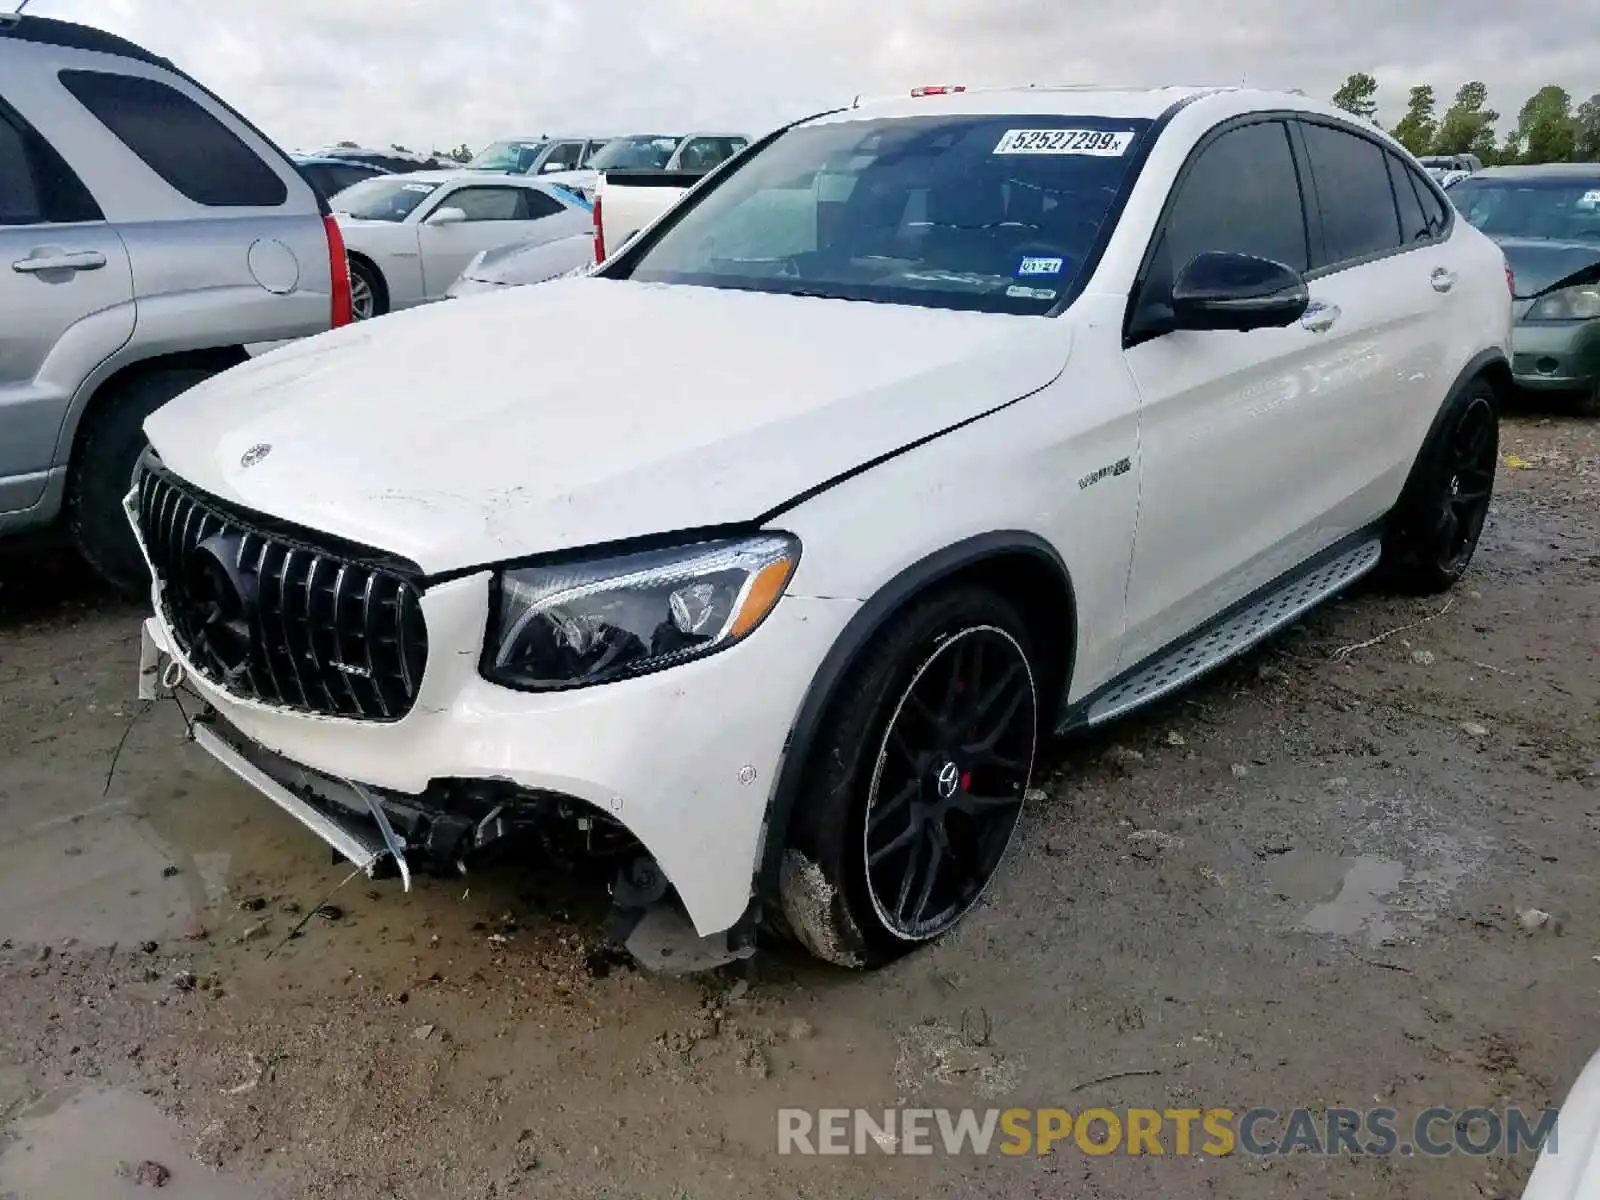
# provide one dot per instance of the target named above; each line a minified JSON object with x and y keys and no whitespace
{"x":1101,"y":143}
{"x":1039,"y":266}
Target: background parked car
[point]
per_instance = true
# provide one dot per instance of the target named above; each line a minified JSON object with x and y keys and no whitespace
{"x":410,"y":236}
{"x":535,"y":155}
{"x":1547,"y":221}
{"x":330,"y":176}
{"x":1441,"y":165}
{"x":151,"y":235}
{"x":691,"y":153}
{"x":397,"y":162}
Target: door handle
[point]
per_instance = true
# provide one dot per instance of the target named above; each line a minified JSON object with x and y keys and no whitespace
{"x":74,"y":260}
{"x":1442,"y":279}
{"x":1319,"y":317}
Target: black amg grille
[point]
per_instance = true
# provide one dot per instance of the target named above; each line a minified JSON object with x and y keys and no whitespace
{"x":272,"y":617}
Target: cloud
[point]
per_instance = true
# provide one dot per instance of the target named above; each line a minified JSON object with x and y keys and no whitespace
{"x":432,"y":73}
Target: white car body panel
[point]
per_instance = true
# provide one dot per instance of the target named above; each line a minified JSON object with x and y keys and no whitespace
{"x":626,"y":209}
{"x":1570,"y":1170}
{"x":419,"y":261}
{"x":536,"y":262}
{"x":689,"y":762}
{"x":754,"y":424}
{"x":1169,"y":480}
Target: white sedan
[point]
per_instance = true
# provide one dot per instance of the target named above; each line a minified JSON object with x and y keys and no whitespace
{"x":409,"y":237}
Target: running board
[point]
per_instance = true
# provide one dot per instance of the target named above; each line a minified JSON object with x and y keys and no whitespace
{"x":1228,"y":636}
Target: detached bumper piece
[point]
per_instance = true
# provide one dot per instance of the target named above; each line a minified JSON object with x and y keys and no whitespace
{"x":456,"y":822}
{"x":439,"y":831}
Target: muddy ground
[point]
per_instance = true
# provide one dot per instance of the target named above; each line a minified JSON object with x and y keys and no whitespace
{"x":1347,"y":831}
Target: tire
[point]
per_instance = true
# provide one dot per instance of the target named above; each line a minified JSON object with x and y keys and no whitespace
{"x":1434,"y":529}
{"x":1588,"y":403}
{"x":112,"y":445}
{"x":364,"y":276}
{"x":901,"y":805}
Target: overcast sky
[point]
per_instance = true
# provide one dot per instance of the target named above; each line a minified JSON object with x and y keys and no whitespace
{"x":439,"y":72}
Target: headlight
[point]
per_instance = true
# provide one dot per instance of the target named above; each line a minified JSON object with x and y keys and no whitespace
{"x":1581,"y":303}
{"x":577,"y":624}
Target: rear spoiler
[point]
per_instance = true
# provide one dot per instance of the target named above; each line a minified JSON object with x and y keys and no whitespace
{"x":636,"y":178}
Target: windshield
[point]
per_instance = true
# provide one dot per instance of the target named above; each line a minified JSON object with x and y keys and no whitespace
{"x":382,"y":199}
{"x":993,"y":213}
{"x":1558,"y":209}
{"x":649,"y":153}
{"x":509,"y":158}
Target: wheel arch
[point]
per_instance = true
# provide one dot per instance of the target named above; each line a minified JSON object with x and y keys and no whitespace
{"x":1490,"y":365}
{"x":214,"y":359}
{"x":1021,"y":566}
{"x":378,"y":277}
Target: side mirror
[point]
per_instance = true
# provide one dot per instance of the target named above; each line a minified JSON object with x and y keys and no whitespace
{"x":447,"y":216}
{"x":1223,"y":290}
{"x":550,"y":167}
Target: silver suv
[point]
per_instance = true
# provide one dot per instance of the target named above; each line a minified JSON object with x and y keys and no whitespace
{"x":148,"y":234}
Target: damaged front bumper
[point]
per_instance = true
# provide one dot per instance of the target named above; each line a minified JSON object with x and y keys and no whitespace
{"x":664,"y":779}
{"x":437,"y":831}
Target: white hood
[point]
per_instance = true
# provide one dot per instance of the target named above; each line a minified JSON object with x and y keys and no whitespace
{"x":586,"y":411}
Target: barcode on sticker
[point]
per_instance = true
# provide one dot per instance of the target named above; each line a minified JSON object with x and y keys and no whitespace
{"x":1103,"y":143}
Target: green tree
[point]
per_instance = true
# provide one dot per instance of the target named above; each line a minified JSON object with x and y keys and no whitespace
{"x":1358,"y":95}
{"x":1415,"y":131}
{"x":462,"y":153}
{"x":1545,"y":128}
{"x":1467,"y":126}
{"x":1586,"y":131}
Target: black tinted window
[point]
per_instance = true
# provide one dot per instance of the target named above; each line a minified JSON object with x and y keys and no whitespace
{"x":1414,"y":224}
{"x":1433,"y":208}
{"x":1241,"y":195}
{"x":539,"y":205}
{"x":344,"y":177}
{"x":564,"y":157}
{"x":178,"y":140}
{"x":36,"y":185}
{"x":1353,"y":194}
{"x":19,"y":194}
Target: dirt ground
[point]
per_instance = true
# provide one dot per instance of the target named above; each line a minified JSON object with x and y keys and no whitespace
{"x":1347,"y":831}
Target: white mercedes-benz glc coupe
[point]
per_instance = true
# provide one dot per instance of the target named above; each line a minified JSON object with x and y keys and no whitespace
{"x":762,"y":559}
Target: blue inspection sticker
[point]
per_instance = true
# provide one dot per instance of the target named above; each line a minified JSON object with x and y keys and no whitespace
{"x":1039,"y":266}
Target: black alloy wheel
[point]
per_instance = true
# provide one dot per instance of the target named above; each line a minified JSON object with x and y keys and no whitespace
{"x":1471,"y":453}
{"x":949,"y":782}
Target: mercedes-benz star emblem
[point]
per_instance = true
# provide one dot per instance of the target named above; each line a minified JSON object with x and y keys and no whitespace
{"x":255,"y":454}
{"x":947,"y":780}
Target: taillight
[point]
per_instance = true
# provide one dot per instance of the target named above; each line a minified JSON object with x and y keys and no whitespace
{"x":339,"y":271}
{"x":1511,"y":280}
{"x":599,"y":233}
{"x":943,"y":89}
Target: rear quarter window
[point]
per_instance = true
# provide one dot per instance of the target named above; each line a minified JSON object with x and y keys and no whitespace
{"x":36,"y":185}
{"x":194,"y":152}
{"x":1359,"y":217}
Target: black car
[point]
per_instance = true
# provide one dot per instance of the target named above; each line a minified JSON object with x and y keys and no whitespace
{"x":330,"y":176}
